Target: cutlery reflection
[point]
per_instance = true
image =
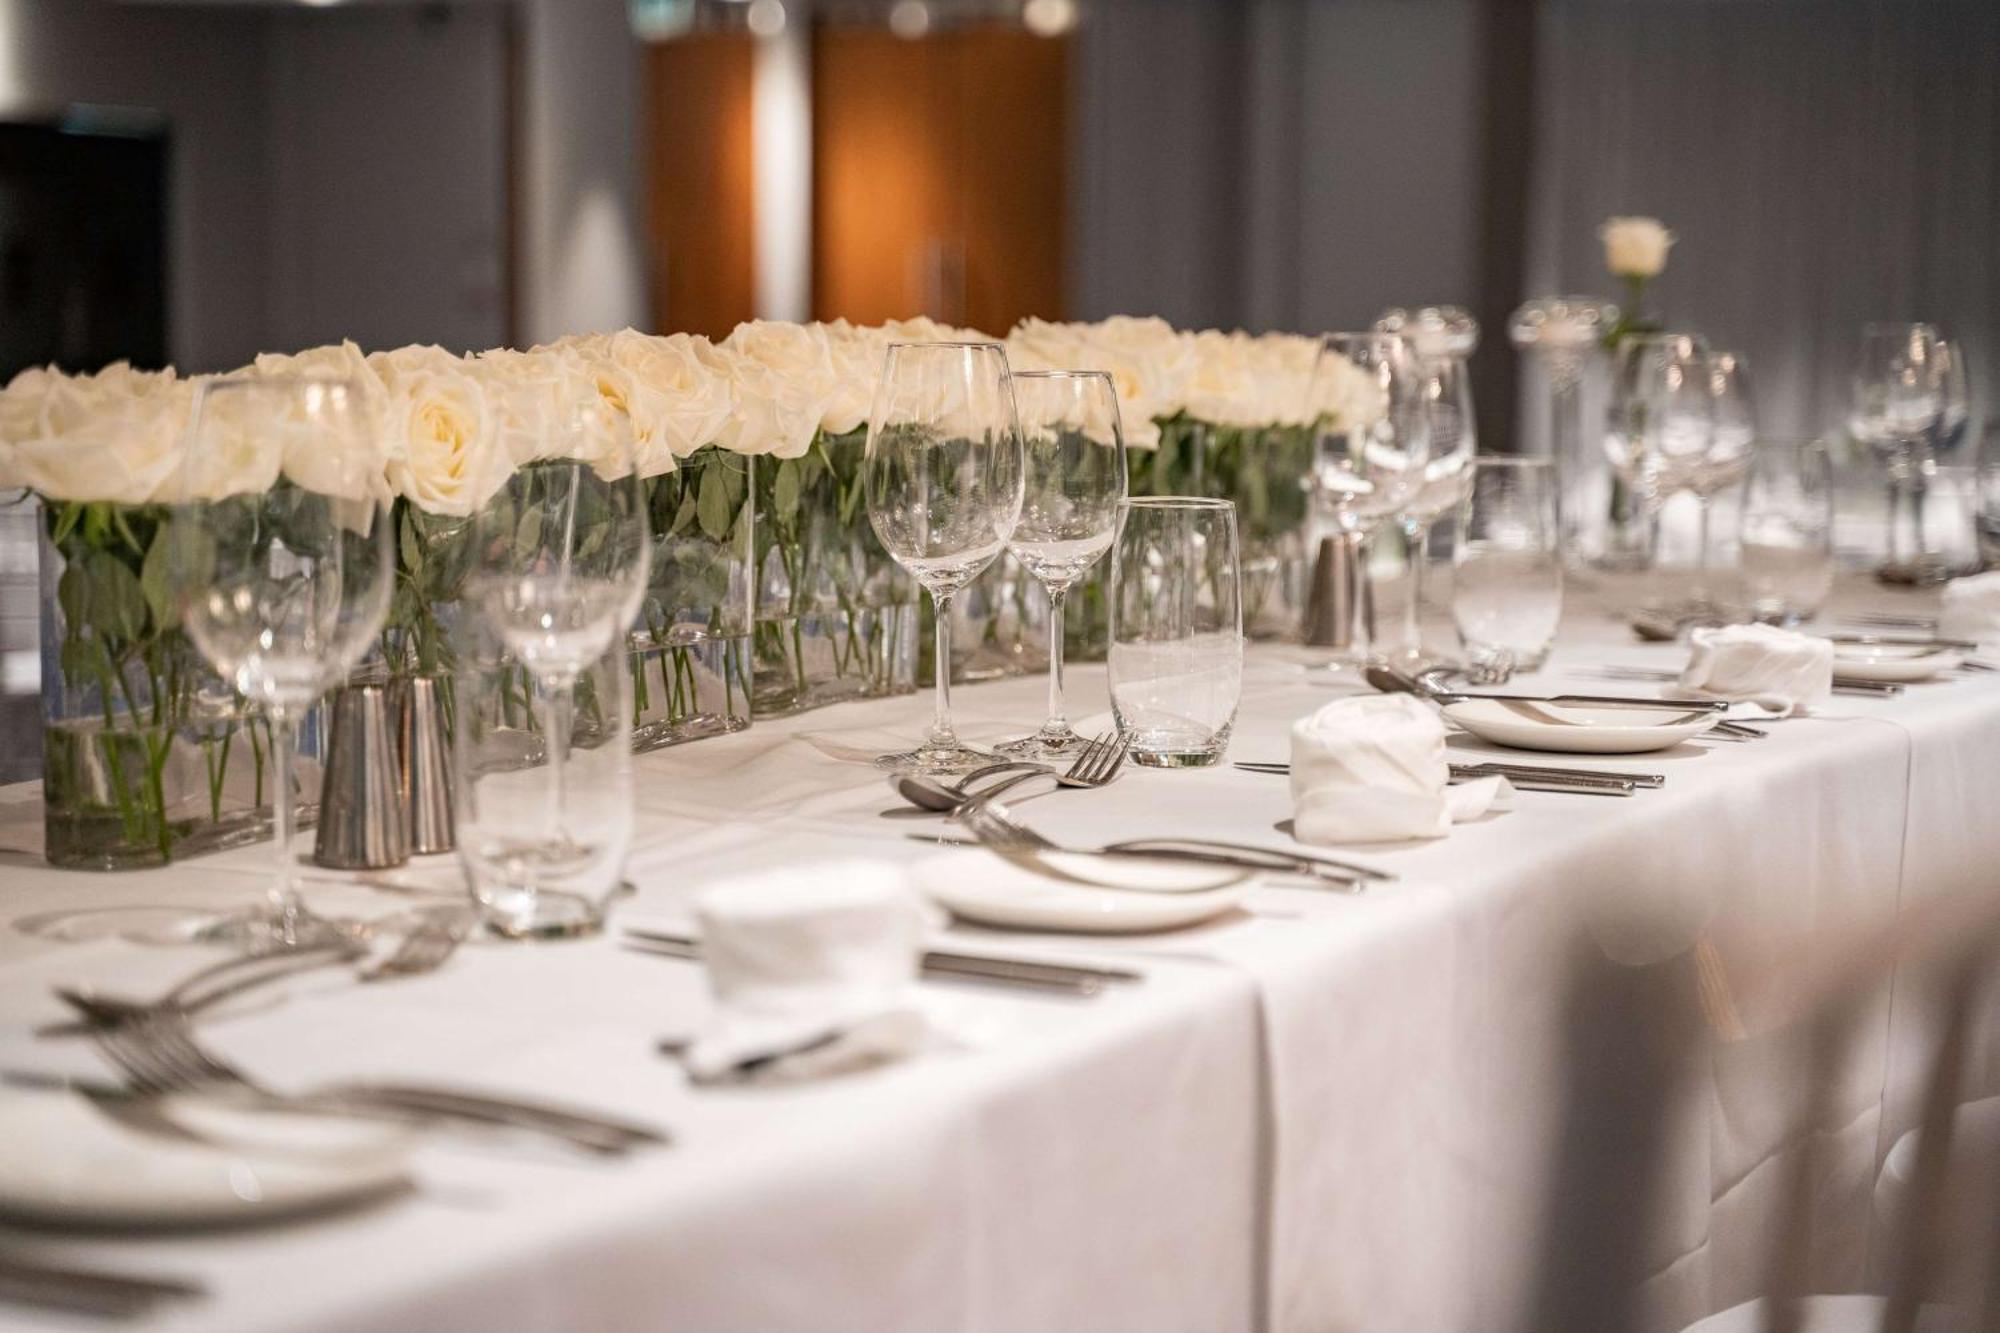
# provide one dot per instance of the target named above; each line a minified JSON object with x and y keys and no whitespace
{"x":1079,"y":978}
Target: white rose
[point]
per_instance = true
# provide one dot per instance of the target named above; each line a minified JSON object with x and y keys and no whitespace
{"x":21,"y":405}
{"x":782,"y":376}
{"x":1037,"y":344}
{"x":1635,"y":247}
{"x":676,"y":400}
{"x":533,"y":400}
{"x":115,"y":436}
{"x":1223,"y":388}
{"x":1284,"y":374}
{"x":307,"y":461}
{"x":1344,"y":395}
{"x":445,"y":456}
{"x":857,"y":356}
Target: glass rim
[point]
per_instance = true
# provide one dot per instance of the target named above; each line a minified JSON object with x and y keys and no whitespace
{"x":253,"y":381}
{"x":1104,"y":375}
{"x":1176,"y":502}
{"x":962,"y":344}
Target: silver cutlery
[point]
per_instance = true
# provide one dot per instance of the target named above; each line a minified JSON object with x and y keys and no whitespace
{"x":1902,"y":641}
{"x":1891,"y":620}
{"x":156,"y":1050}
{"x":425,"y":948}
{"x":941,"y":964}
{"x":1541,"y":777}
{"x":990,"y":823}
{"x":70,"y":1289}
{"x":193,"y":993}
{"x":1391,"y":681}
{"x":1094,"y":766}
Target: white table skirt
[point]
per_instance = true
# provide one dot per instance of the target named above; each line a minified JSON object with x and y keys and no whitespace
{"x":1327,"y":1112}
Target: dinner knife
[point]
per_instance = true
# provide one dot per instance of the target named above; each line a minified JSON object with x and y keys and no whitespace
{"x":1085,"y":978}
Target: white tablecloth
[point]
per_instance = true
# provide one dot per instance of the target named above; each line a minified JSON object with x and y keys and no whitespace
{"x":1325,"y":1112}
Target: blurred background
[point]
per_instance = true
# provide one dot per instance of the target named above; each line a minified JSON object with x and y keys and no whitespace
{"x":195,"y":181}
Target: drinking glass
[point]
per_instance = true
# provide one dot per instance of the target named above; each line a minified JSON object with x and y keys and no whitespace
{"x":1986,"y":520}
{"x":1902,"y":381}
{"x":1787,"y":530}
{"x":542,"y":717}
{"x":1507,"y":566}
{"x":1732,"y":435}
{"x":1371,"y":441}
{"x":943,"y":472}
{"x":1073,"y":465}
{"x":1176,"y":657}
{"x":281,"y":561}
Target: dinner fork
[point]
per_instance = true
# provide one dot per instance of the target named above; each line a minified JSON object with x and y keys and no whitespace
{"x":1095,"y":766}
{"x":989,"y":822}
{"x":156,"y":1051}
{"x":88,"y":1291}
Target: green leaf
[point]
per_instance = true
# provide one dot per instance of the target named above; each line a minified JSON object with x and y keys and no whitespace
{"x":714,"y":505}
{"x":66,"y":519}
{"x":406,"y":540}
{"x":117,"y":602}
{"x":180,"y":561}
{"x":528,"y":533}
{"x":785,"y":492}
{"x":73,"y":596}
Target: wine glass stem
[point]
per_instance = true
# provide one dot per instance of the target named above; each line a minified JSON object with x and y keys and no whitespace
{"x":942,"y":736}
{"x":1700,"y":591}
{"x":1419,"y":536}
{"x":558,"y":720}
{"x":1058,"y":723}
{"x":285,"y":900}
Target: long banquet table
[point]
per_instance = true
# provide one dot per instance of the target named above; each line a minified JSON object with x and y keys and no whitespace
{"x":1323,"y":1112}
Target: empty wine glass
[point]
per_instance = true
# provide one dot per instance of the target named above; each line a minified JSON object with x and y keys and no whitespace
{"x":1902,"y":381}
{"x":559,"y":566}
{"x":1371,"y":442}
{"x":1073,"y":463}
{"x":943,"y":472}
{"x":1732,"y":435}
{"x":1787,"y":530}
{"x":1442,"y":338}
{"x":1506,"y":594}
{"x":281,"y":562}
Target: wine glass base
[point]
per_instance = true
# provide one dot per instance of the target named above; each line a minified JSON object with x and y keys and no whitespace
{"x":1042,"y":745}
{"x":262,"y":930}
{"x":935,"y":761}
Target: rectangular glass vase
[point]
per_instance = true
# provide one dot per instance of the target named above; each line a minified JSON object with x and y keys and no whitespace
{"x":836,"y":616}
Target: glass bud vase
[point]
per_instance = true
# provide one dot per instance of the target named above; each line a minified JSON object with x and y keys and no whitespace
{"x":691,"y":660}
{"x":836,"y":617}
{"x":146,"y":754}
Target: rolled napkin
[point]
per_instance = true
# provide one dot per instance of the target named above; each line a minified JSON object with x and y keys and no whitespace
{"x":1373,"y":769}
{"x":812,"y":971}
{"x":1971,"y":611}
{"x":1780,"y":669}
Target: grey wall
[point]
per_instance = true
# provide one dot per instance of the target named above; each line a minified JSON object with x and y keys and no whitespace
{"x":388,"y":176}
{"x":1293,"y":164}
{"x":204,"y":70}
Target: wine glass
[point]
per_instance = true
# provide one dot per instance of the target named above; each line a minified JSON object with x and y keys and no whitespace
{"x":282,"y":562}
{"x":1442,"y":338}
{"x":1901,"y":385}
{"x":1732,"y":435}
{"x":1506,"y":596}
{"x":943,"y":473}
{"x":1371,"y":441}
{"x":558,"y":569}
{"x":1073,"y":465}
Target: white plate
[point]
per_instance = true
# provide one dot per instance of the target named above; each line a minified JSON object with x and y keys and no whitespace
{"x":71,"y":1162}
{"x":987,"y":888}
{"x":1577,"y":728}
{"x":1894,"y":663}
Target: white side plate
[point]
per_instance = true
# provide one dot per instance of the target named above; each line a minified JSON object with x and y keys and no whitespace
{"x":1576,"y":728}
{"x":1893,"y":663}
{"x":985,"y":887}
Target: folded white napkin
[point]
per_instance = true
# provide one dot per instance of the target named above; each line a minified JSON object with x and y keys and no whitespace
{"x":1373,"y":769}
{"x":812,"y":970}
{"x":1779,"y":669}
{"x":1971,"y":611}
